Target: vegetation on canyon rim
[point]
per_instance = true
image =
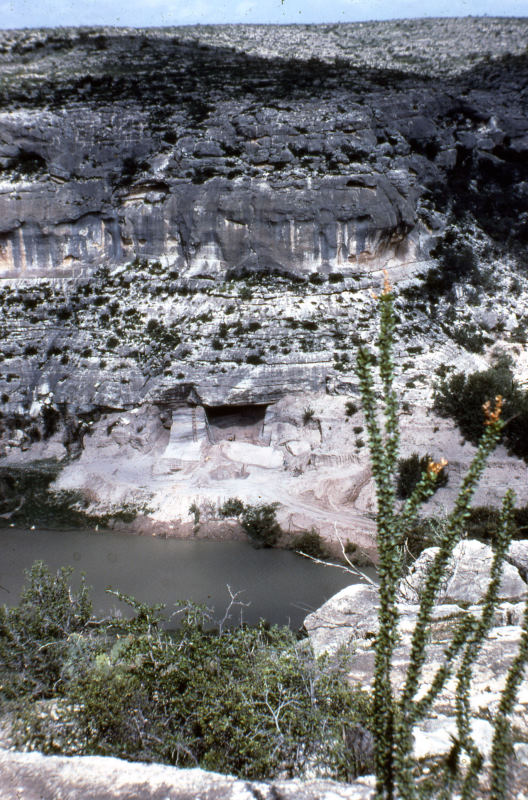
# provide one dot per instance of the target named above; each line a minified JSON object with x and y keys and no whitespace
{"x":398,"y":772}
{"x":461,"y":397}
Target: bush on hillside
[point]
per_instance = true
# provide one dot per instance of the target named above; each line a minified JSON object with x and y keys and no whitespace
{"x":232,"y":507}
{"x":456,"y":263}
{"x":461,"y":397}
{"x":260,"y":524}
{"x":310,"y":543}
{"x":259,"y":521}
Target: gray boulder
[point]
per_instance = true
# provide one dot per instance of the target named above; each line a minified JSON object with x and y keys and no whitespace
{"x":518,"y":556}
{"x":466,"y":578}
{"x":350,"y":614}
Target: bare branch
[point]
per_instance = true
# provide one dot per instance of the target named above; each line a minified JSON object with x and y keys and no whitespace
{"x":351,"y":569}
{"x":234,"y":601}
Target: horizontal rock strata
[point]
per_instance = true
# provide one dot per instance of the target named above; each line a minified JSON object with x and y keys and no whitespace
{"x":179,"y":242}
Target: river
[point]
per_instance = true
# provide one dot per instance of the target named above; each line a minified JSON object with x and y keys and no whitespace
{"x":278,"y":585}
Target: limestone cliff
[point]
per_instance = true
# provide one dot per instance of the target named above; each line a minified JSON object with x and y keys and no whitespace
{"x":256,"y":148}
{"x":191,"y":223}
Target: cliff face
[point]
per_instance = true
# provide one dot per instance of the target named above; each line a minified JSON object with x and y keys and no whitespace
{"x":223,"y":149}
{"x":192,"y":221}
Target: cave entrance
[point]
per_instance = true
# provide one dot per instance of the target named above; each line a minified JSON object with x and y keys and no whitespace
{"x":236,"y":423}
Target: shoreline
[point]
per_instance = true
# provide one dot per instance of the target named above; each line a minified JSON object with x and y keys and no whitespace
{"x":210,"y":530}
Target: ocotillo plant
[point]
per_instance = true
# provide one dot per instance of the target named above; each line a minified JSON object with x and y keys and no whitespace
{"x":395,"y":715}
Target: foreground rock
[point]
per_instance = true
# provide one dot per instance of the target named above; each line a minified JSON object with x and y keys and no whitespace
{"x":467,"y":575}
{"x":32,"y":776}
{"x":349,"y":620}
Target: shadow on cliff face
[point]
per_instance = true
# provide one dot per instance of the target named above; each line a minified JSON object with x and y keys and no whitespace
{"x":156,"y":72}
{"x":432,"y":126}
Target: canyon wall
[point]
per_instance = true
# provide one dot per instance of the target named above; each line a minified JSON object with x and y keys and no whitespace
{"x":194,"y":219}
{"x":227,"y":151}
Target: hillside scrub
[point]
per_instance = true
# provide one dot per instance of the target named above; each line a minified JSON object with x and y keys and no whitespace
{"x":259,"y":521}
{"x":252,"y":702}
{"x":410,"y":471}
{"x":461,"y":397}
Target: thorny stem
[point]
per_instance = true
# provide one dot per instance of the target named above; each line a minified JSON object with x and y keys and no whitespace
{"x":393,"y":720}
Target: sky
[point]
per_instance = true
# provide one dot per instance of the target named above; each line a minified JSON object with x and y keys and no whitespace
{"x":147,"y":13}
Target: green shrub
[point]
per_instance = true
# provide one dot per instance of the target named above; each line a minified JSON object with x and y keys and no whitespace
{"x":456,"y":263}
{"x":34,"y":635}
{"x":308,"y":415}
{"x":461,"y":397}
{"x":422,"y":533}
{"x":351,"y":408}
{"x":232,"y":507}
{"x":483,"y":523}
{"x":50,"y":419}
{"x":310,"y":543}
{"x":411,"y":471}
{"x":194,"y":509}
{"x":470,"y":338}
{"x":251,"y":702}
{"x":260,"y":524}
{"x":259,"y":521}
{"x":356,"y":556}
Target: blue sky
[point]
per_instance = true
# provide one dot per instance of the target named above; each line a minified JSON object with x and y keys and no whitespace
{"x":37,"y":13}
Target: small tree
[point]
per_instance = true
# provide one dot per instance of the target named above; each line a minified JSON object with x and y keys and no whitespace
{"x":395,"y":715}
{"x":34,"y":636}
{"x":260,"y":524}
{"x":232,"y":507}
{"x":259,"y":521}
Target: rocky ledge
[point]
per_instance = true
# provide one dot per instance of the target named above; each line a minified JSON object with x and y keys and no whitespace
{"x":350,"y":619}
{"x":37,"y":777}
